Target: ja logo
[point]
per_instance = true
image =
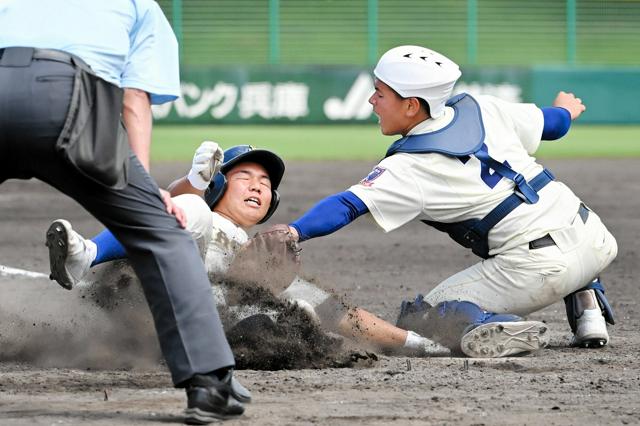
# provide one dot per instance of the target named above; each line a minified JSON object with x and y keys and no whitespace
{"x":355,"y":105}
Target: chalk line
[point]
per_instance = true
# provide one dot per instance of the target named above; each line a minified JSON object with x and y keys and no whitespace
{"x":6,"y":271}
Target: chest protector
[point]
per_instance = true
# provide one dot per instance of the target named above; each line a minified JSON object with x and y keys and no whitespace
{"x":461,"y":138}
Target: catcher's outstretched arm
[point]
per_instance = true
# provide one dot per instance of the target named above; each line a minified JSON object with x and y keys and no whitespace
{"x":329,"y":215}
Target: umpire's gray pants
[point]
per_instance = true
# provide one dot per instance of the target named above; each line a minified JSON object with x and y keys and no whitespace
{"x":33,"y":105}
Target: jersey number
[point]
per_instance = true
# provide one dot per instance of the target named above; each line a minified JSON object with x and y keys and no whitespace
{"x":490,"y":178}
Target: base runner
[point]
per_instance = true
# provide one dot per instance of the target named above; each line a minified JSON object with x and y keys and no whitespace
{"x":222,"y":196}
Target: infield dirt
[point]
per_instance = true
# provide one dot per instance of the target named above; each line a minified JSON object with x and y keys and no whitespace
{"x":117,"y":380}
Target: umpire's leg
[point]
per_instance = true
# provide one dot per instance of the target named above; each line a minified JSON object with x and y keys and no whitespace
{"x":34,"y":99}
{"x":167,"y":262}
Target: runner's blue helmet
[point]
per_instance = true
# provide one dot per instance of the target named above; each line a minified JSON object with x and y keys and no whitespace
{"x":247,"y":153}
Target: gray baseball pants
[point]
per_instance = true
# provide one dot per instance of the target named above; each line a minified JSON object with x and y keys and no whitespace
{"x":34,"y":100}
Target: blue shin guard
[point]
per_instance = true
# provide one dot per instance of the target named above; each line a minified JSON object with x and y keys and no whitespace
{"x":412,"y":313}
{"x":448,"y":321}
{"x":457,"y":318}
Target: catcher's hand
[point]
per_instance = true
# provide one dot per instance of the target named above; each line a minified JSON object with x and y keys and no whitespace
{"x":271,"y":259}
{"x":571,"y":103}
{"x":207,"y":161}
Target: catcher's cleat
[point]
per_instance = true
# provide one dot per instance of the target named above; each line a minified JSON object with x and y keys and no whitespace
{"x":588,"y":311}
{"x":210,"y":399}
{"x":70,"y":255}
{"x":591,"y":330}
{"x":500,"y":339}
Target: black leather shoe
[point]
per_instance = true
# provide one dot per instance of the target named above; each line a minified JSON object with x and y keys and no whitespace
{"x":210,"y":399}
{"x":238,"y":391}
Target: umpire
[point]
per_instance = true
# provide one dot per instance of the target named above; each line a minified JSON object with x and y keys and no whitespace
{"x":71,"y":72}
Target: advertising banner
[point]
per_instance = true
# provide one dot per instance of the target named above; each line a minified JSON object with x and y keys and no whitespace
{"x":338,"y":94}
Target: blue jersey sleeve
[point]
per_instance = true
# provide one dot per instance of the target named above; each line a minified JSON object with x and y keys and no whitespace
{"x":329,"y":215}
{"x":556,"y":123}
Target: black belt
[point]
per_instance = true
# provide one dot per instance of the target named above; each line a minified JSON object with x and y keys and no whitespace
{"x":22,"y":56}
{"x":53,"y":55}
{"x":547,"y":241}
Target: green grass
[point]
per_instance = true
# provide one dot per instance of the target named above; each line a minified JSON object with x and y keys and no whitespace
{"x":594,"y":141}
{"x":364,"y":142}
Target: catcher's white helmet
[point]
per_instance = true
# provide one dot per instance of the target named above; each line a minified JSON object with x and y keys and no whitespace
{"x":415,"y":71}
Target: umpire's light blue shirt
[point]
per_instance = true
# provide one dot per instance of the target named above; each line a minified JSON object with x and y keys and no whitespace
{"x":126,"y":42}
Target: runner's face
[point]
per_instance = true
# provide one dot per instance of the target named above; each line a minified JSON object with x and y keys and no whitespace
{"x":248,"y":194}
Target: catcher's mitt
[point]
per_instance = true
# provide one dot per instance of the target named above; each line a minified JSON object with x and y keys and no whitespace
{"x":271,"y":259}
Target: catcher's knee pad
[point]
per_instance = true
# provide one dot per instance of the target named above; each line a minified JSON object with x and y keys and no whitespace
{"x":448,"y":321}
{"x":573,"y":309}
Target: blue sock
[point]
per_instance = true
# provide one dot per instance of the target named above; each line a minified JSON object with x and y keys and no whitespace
{"x":109,"y":248}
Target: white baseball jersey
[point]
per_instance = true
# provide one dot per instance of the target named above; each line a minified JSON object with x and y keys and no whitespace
{"x":220,"y":239}
{"x":225,"y":241}
{"x":443,"y":188}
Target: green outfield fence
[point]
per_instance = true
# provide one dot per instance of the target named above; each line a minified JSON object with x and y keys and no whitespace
{"x":309,"y":62}
{"x":356,"y":32}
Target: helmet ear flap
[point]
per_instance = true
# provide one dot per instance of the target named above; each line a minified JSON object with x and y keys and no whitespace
{"x":275,"y":200}
{"x":216,"y":189}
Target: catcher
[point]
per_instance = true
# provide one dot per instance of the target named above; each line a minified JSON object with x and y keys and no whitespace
{"x":222,"y":196}
{"x":465,"y":166}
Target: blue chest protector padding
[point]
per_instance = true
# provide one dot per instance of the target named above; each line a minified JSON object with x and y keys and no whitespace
{"x":462,"y":137}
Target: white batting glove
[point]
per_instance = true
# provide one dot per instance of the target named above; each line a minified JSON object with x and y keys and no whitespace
{"x":207,"y":161}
